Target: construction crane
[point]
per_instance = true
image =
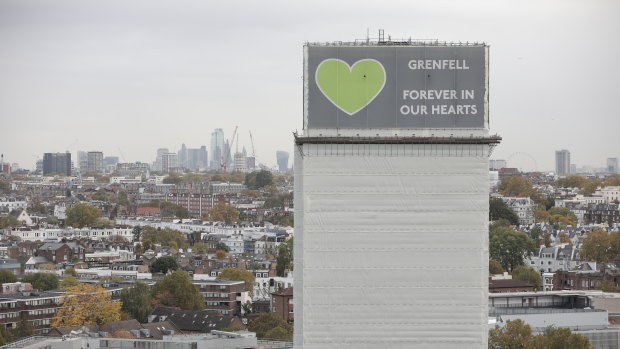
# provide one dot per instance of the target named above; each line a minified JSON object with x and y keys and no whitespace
{"x":122,"y":156}
{"x":252,"y":142}
{"x":226,"y":156}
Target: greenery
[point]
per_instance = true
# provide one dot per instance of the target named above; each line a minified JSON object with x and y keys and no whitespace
{"x":82,"y":215}
{"x":7,"y":277}
{"x":178,"y":288}
{"x":162,"y":236}
{"x":499,"y":210}
{"x":137,"y":232}
{"x":528,"y":274}
{"x":517,"y":186}
{"x":172,"y":178}
{"x":5,"y":186}
{"x":518,"y":335}
{"x":495,"y":267}
{"x":164,"y":264}
{"x":600,"y":246}
{"x":224,"y":213}
{"x":271,"y":326}
{"x":9,"y":221}
{"x":608,"y":286}
{"x":68,"y":282}
{"x":221,"y":246}
{"x":86,"y":304}
{"x":135,"y":301}
{"x":168,"y":208}
{"x":258,"y":179}
{"x":239,"y":275}
{"x":103,"y":223}
{"x":509,"y":247}
{"x":42,"y":281}
{"x":5,"y":335}
{"x":285,"y":257}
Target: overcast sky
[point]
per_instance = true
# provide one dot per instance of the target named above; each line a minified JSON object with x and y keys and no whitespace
{"x":141,"y":75}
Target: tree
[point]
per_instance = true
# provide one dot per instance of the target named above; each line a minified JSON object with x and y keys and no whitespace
{"x":509,"y":247}
{"x":527,"y":274}
{"x":258,"y":179}
{"x":103,"y":223}
{"x":499,"y":210}
{"x":272,"y":324}
{"x":514,"y":335}
{"x":7,"y":277}
{"x":179,"y":285}
{"x":608,"y":286}
{"x":86,"y":304}
{"x":137,"y":232}
{"x":495,"y":267}
{"x":536,"y":233}
{"x":572,"y":182}
{"x":220,"y":254}
{"x":562,"y":216}
{"x":9,"y":221}
{"x":597,"y":246}
{"x":42,"y":281}
{"x":561,"y":338}
{"x":5,"y":335}
{"x":163,"y":264}
{"x":173,"y":178}
{"x":239,"y":275}
{"x":612,"y":181}
{"x":517,"y":186}
{"x":162,"y":236}
{"x":285,"y":256}
{"x":135,"y":301}
{"x":221,"y":246}
{"x":199,"y":247}
{"x":224,"y":213}
{"x":5,"y":186}
{"x":23,"y":329}
{"x":82,"y":215}
{"x":68,"y":282}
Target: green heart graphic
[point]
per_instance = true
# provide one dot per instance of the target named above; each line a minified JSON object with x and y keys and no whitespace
{"x":350,"y":88}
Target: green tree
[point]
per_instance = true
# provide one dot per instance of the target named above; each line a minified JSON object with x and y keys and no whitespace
{"x":179,"y":286}
{"x":272,"y":324}
{"x":285,"y":257}
{"x":5,"y":186}
{"x":137,"y":232}
{"x":224,"y":213}
{"x":560,"y":338}
{"x":164,"y":264}
{"x":572,"y":182}
{"x":528,"y":274}
{"x":536,"y":233}
{"x":199,"y":247}
{"x":221,"y":246}
{"x":82,"y":215}
{"x":23,"y":329}
{"x":6,"y":277}
{"x":173,"y":178}
{"x":9,"y":221}
{"x":42,"y":281}
{"x":495,"y":267}
{"x":103,"y":223}
{"x":258,"y":179}
{"x":509,"y":247}
{"x":597,"y":246}
{"x":165,"y":236}
{"x":68,"y":282}
{"x":514,"y":335}
{"x":612,"y":181}
{"x":5,"y":335}
{"x":608,"y":286}
{"x":499,"y":210}
{"x":239,"y":275}
{"x":136,"y":301}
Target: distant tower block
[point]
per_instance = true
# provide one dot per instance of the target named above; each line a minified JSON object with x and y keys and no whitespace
{"x":282,"y":158}
{"x":562,"y":162}
{"x":391,"y":204}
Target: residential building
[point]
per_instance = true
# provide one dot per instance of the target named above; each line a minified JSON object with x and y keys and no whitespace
{"x":62,"y":252}
{"x":523,"y":207}
{"x":562,"y":162}
{"x":557,"y":258}
{"x":602,"y":213}
{"x":282,"y":304}
{"x":224,"y":297}
{"x":57,"y":163}
{"x":197,"y":204}
{"x":132,"y":169}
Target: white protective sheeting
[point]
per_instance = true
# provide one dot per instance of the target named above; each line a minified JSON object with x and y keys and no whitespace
{"x":391,"y":246}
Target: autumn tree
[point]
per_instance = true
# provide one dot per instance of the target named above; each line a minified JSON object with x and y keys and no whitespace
{"x":9,"y":221}
{"x":82,"y":215}
{"x":162,"y":236}
{"x":68,"y":282}
{"x":612,"y":181}
{"x":135,"y":301}
{"x":271,"y":326}
{"x":179,"y":285}
{"x":42,"y":281}
{"x":258,"y":179}
{"x":220,"y":254}
{"x":224,"y":213}
{"x":285,"y":257}
{"x":600,"y":246}
{"x":136,"y":232}
{"x":172,"y":178}
{"x":495,"y":267}
{"x":514,"y":335}
{"x":5,"y":335}
{"x":239,"y":275}
{"x":528,"y":274}
{"x":561,"y":338}
{"x":509,"y":247}
{"x":86,"y":304}
{"x":562,"y":216}
{"x":7,"y":277}
{"x":516,"y":186}
{"x":164,"y":264}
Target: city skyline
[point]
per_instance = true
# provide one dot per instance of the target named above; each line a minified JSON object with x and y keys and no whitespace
{"x":107,"y":76}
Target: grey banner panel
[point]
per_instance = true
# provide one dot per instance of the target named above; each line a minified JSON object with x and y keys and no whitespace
{"x":396,"y":87}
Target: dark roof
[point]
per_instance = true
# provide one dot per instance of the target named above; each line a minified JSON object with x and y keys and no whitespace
{"x":192,"y":320}
{"x":284,"y":292}
{"x":126,"y":325}
{"x":509,"y":283}
{"x":156,"y":328}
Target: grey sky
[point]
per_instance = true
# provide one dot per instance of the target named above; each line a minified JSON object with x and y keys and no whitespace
{"x":141,"y":75}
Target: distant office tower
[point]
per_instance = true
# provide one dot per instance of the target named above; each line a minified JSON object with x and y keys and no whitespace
{"x":157,"y":163}
{"x":573,"y":168}
{"x":110,"y":161}
{"x":57,"y":163}
{"x":182,"y":156}
{"x":562,"y":162}
{"x":169,"y":162}
{"x":612,"y":165}
{"x":39,"y":167}
{"x":497,"y":164}
{"x":82,"y":160}
{"x":217,"y":148}
{"x":132,"y":169}
{"x":282,"y":158}
{"x":94,"y":161}
{"x":197,"y":159}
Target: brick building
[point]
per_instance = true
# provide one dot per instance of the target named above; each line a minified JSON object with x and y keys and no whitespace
{"x":584,"y":280}
{"x":282,"y":304}
{"x":197,"y":204}
{"x":223,"y":296}
{"x":61,"y":252}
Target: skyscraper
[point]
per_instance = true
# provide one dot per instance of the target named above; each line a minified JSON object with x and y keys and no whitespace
{"x":57,"y":163}
{"x":282,"y":158}
{"x":612,"y":165}
{"x":562,"y":162}
{"x":94,"y":161}
{"x":169,"y":162}
{"x":158,"y":161}
{"x":183,"y":156}
{"x":217,"y":148}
